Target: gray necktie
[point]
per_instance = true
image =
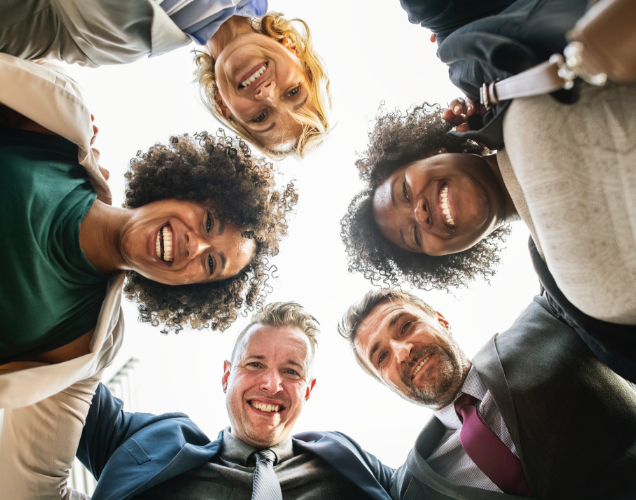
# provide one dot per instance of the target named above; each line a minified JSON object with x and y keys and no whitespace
{"x":266,"y":485}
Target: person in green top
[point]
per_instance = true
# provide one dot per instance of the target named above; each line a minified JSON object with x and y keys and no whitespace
{"x":200,"y":217}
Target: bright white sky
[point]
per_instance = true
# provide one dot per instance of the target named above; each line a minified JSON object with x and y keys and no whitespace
{"x":373,"y":54}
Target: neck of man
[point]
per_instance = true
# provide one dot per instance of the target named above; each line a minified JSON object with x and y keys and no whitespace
{"x":235,"y":26}
{"x":510,"y":213}
{"x":100,"y":236}
{"x":455,"y":389}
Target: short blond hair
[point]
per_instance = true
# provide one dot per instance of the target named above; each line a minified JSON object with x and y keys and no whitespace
{"x":315,"y":125}
{"x":283,"y":314}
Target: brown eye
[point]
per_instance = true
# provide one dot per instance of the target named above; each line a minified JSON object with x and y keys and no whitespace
{"x":211,"y":264}
{"x":405,"y":192}
{"x":293,"y":91}
{"x":381,"y":358}
{"x":260,"y":118}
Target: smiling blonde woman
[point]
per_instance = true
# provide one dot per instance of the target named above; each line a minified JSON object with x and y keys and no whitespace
{"x":264,"y":80}
{"x":283,"y":110}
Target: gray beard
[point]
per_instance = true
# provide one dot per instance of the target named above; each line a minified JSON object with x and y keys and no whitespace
{"x":447,"y":374}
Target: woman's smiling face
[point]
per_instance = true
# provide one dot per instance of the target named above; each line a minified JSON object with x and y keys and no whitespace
{"x":439,"y":205}
{"x":260,"y":83}
{"x":177,"y":242}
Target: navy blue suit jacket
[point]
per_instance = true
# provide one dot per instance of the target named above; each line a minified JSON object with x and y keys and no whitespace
{"x":131,"y":452}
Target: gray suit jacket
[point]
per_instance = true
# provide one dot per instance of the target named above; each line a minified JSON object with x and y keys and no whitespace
{"x":88,"y":32}
{"x":572,"y":419}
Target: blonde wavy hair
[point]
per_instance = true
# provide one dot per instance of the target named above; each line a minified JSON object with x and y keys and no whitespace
{"x":315,"y":125}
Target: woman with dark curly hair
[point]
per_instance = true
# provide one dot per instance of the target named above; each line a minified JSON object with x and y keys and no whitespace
{"x":200,"y":217}
{"x":434,"y":211}
{"x":400,"y":229}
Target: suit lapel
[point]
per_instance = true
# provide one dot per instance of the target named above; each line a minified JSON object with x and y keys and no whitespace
{"x":488,"y":365}
{"x":491,"y":372}
{"x":430,"y":437}
{"x":344,"y":459}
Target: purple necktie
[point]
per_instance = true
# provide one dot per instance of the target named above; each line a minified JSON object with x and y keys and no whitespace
{"x":488,"y":452}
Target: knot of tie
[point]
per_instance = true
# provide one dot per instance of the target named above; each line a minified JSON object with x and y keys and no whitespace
{"x":265,"y":455}
{"x":461,"y":402}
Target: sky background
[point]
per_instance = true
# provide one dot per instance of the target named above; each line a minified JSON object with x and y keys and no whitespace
{"x":373,"y":56}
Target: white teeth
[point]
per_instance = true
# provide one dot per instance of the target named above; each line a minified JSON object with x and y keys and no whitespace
{"x":445,"y":206}
{"x":254,"y":76}
{"x":420,"y":366}
{"x":167,"y":243}
{"x":158,"y":244}
{"x":265,"y":407}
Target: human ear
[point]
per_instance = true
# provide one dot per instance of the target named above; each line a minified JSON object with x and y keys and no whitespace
{"x":291,"y":46}
{"x":227,"y":367}
{"x":435,"y":152}
{"x":442,"y":321}
{"x":310,"y":388}
{"x":222,"y":107}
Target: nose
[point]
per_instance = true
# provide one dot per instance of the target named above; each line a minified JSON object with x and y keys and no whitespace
{"x":194,"y":245}
{"x":422,"y":214}
{"x":267,"y":92}
{"x":271,"y":381}
{"x":401,"y":351}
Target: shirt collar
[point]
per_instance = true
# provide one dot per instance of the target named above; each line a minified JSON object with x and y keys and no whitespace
{"x":239,"y":452}
{"x":473,"y":386}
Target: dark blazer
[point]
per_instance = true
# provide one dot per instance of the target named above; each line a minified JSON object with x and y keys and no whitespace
{"x":131,"y":452}
{"x":572,"y":419}
{"x":523,"y":34}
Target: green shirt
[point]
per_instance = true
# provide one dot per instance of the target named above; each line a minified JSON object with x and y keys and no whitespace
{"x":49,"y":293}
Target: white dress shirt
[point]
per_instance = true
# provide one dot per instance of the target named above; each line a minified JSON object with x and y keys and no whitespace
{"x":449,"y":459}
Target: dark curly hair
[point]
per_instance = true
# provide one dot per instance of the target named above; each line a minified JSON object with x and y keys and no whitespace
{"x":222,"y":169}
{"x":398,"y":139}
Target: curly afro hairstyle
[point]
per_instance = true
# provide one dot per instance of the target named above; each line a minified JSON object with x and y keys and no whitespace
{"x":221,"y":169}
{"x":396,"y":140}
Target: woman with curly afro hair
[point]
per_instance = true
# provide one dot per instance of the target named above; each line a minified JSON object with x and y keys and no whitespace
{"x":434,"y":208}
{"x":200,"y":219}
{"x":210,"y":261}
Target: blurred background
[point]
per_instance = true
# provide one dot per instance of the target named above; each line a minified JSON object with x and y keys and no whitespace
{"x":374,"y":55}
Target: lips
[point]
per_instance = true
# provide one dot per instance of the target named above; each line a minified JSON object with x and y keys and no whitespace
{"x":255,"y":74}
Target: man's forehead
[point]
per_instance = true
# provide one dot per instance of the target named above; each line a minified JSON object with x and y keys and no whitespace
{"x":377,"y":321}
{"x":261,"y":340}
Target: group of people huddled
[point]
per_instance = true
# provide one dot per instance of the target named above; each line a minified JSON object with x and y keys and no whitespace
{"x":546,"y":409}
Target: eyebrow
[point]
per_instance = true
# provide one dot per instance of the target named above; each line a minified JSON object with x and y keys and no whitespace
{"x":223,"y":261}
{"x":221,"y":227}
{"x":376,"y":346}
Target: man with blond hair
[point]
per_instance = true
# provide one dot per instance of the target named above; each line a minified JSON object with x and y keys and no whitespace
{"x":267,"y":381}
{"x":534,"y":414}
